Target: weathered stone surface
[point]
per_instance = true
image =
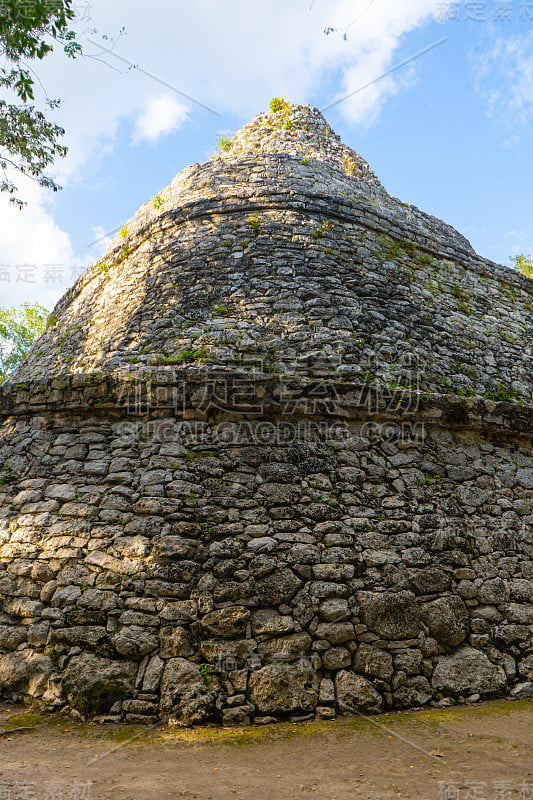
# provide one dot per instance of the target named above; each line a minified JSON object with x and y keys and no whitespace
{"x":355,"y":693}
{"x":372,"y":661}
{"x":93,"y":684}
{"x":336,"y":632}
{"x":280,"y":587}
{"x":336,"y":658}
{"x":266,"y":621}
{"x":414,"y":692}
{"x":522,"y":691}
{"x":393,"y":615}
{"x":278,"y":688}
{"x":334,"y":610}
{"x":176,"y":641}
{"x":134,"y":642}
{"x":11,"y":637}
{"x":447,"y":620}
{"x":432,"y":579}
{"x":24,"y":671}
{"x":180,"y":612}
{"x":525,"y":667}
{"x":185,"y":693}
{"x":285,"y":648}
{"x":229,"y":655}
{"x":152,"y":675}
{"x":520,"y":613}
{"x":494,"y":591}
{"x":230,"y":623}
{"x":175,"y":547}
{"x":240,"y":715}
{"x":468,"y":671}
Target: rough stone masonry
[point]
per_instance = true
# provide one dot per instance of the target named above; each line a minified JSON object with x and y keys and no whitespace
{"x":272,"y":457}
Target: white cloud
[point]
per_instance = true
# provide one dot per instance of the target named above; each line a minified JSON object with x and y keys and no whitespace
{"x":504,"y":78}
{"x":162,"y":115}
{"x":37,"y":263}
{"x":233,"y":57}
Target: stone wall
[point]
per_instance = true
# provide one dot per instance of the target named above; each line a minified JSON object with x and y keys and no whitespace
{"x":272,"y":456}
{"x":236,"y":564}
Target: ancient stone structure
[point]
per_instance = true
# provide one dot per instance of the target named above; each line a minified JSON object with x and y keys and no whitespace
{"x":272,"y":456}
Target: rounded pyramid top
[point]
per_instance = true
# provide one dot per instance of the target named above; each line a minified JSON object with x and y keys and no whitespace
{"x":283,"y":253}
{"x":296,"y":131}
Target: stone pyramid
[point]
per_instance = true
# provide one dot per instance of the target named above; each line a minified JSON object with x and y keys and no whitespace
{"x":272,"y":458}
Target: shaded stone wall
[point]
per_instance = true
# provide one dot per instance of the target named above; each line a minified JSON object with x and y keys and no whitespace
{"x":161,"y":555}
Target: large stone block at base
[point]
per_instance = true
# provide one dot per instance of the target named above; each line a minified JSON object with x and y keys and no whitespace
{"x":282,"y":688}
{"x":468,"y":671}
{"x":93,"y":684}
{"x":356,"y":694}
{"x":186,"y":694}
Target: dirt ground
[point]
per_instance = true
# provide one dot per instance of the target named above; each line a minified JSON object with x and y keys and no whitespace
{"x":482,"y":752}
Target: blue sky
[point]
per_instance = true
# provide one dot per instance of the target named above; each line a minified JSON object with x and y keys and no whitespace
{"x":450,"y":131}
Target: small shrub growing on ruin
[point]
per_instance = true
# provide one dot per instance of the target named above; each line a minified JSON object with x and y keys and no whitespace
{"x":278,"y":104}
{"x":254,"y":223}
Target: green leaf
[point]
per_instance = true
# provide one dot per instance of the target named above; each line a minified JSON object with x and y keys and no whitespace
{"x":28,"y":141}
{"x":19,"y":329}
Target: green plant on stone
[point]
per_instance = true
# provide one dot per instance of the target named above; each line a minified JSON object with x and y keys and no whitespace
{"x":204,"y":672}
{"x":325,"y":227}
{"x":225,"y":144}
{"x":158,"y":201}
{"x":7,"y":474}
{"x":409,"y":248}
{"x":304,"y":161}
{"x":220,"y":311}
{"x":502,"y":394}
{"x":186,"y":356}
{"x":254,"y":223}
{"x":279,"y":104}
{"x":507,"y":337}
{"x":392,"y":250}
{"x":462,"y":297}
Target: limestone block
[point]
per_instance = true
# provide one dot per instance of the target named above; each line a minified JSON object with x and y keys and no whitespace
{"x":468,"y":671}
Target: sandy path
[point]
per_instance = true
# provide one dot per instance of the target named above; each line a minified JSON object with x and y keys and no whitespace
{"x":486,"y":754}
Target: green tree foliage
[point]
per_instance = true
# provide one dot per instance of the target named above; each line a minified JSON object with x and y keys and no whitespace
{"x":19,"y":328}
{"x":29,"y":30}
{"x":523,"y":264}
